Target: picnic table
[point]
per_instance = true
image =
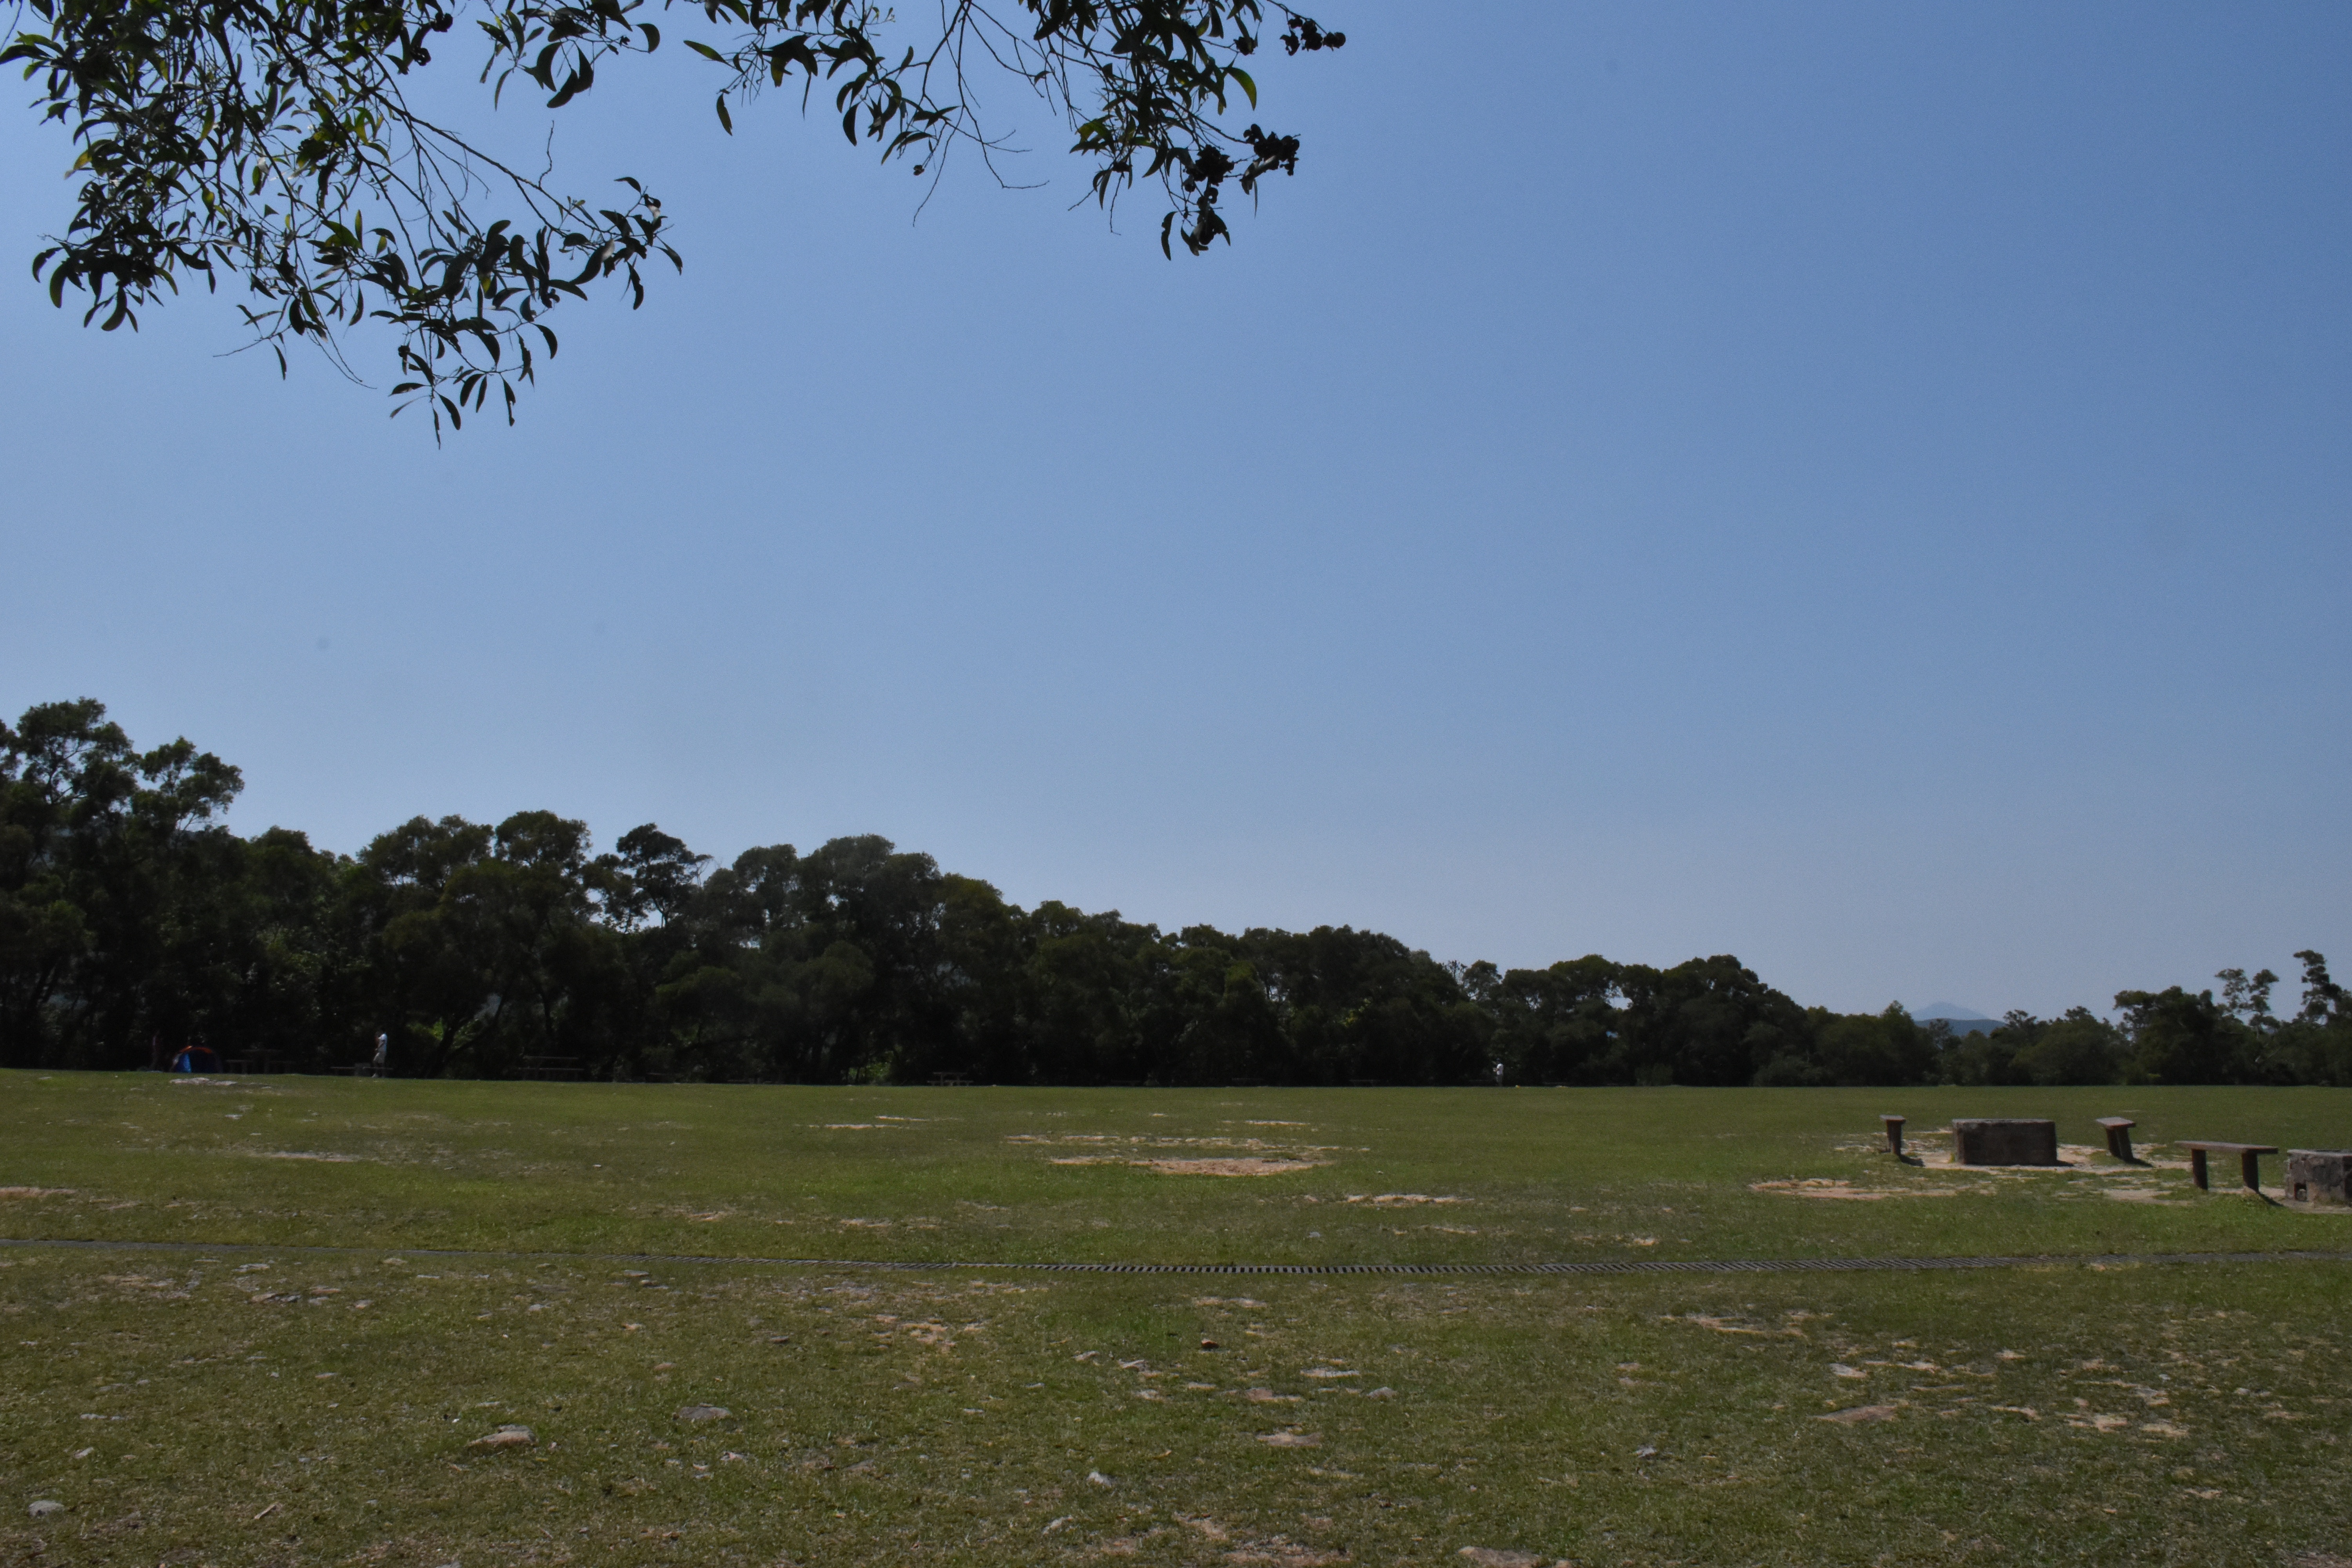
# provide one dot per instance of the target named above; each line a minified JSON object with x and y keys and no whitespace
{"x":952,"y":1080}
{"x":553,"y":1067}
{"x":2248,"y":1160}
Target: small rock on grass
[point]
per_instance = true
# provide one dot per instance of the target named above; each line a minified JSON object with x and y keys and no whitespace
{"x":1495,"y":1557}
{"x":45,"y":1506}
{"x":504,"y":1437}
{"x":703,"y":1413}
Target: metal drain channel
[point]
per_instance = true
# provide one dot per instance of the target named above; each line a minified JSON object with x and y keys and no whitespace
{"x":1597,"y":1266}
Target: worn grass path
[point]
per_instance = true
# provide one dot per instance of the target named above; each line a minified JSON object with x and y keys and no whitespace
{"x":250,"y":1402}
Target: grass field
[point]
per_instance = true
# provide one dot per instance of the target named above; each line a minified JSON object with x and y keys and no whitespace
{"x":244,"y":1402}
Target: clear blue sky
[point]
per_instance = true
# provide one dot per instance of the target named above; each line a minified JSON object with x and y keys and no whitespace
{"x":1863,"y":486}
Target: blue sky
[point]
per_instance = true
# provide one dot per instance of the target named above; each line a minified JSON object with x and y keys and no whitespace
{"x":1859,"y":487}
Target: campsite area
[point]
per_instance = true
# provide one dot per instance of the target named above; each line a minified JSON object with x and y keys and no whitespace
{"x":324,"y":1320}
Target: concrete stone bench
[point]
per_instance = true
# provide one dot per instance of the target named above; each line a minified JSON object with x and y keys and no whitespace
{"x":2319,"y":1175}
{"x":2004,"y":1140}
{"x":2250,"y":1155}
{"x":2118,"y":1132}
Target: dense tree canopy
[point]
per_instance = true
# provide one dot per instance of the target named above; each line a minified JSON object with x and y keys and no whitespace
{"x":132,"y":922}
{"x":278,"y":145}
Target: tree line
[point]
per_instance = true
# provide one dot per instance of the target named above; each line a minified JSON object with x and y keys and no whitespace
{"x":133,"y":923}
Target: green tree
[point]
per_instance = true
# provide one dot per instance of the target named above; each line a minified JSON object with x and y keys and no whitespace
{"x":2080,"y":1047}
{"x":1559,"y":1025}
{"x":2177,"y":1037}
{"x":1709,"y":1021}
{"x":2315,"y":1045}
{"x":1859,"y":1048}
{"x":277,"y":146}
{"x":106,"y":855}
{"x":417,"y":975}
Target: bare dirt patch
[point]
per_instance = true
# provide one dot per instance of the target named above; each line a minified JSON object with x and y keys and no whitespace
{"x":1829,"y":1187}
{"x":1385,"y":1199}
{"x":1222,"y":1165}
{"x":1248,"y":1166}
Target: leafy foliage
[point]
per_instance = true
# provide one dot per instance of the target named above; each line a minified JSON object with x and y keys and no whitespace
{"x":277,"y":144}
{"x":132,"y":922}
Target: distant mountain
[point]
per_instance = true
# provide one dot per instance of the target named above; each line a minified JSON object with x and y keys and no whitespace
{"x":1963,"y":1020}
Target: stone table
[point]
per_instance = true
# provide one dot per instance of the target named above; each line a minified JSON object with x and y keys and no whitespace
{"x":2004,"y":1140}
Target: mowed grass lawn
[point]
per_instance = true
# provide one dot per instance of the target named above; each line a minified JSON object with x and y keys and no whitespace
{"x":246,"y":1403}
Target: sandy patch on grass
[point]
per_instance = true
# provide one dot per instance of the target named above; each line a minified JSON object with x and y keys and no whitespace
{"x":1946,"y":1159}
{"x":504,"y":1437}
{"x":1282,"y":1553}
{"x":1838,"y":1187}
{"x":1136,"y":1146}
{"x":1735,"y":1326}
{"x":1385,"y":1198}
{"x":1244,"y":1165}
{"x":36,"y":1192}
{"x":1861,"y":1415}
{"x":1248,"y":1167}
{"x":1201,"y":1156}
{"x":304,"y":1154}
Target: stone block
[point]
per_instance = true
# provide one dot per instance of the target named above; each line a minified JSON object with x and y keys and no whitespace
{"x":2319,"y":1175}
{"x":2004,"y":1140}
